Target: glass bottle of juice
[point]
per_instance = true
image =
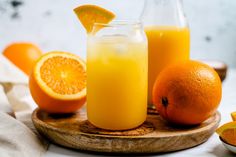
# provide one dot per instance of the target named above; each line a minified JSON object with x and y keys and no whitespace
{"x":117,"y":73}
{"x":168,"y":36}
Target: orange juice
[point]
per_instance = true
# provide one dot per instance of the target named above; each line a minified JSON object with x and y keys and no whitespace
{"x":117,"y":72}
{"x":166,"y":44}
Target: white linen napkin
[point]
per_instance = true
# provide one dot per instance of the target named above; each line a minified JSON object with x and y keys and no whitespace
{"x":18,"y":137}
{"x":16,"y":140}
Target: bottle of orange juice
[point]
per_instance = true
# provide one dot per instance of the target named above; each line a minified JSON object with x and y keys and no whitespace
{"x":168,"y":36}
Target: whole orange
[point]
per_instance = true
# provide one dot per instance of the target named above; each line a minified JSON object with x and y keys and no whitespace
{"x":187,"y":93}
{"x":58,"y":82}
{"x":23,"y":55}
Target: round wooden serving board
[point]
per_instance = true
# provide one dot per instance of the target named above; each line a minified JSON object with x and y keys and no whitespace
{"x":154,"y":136}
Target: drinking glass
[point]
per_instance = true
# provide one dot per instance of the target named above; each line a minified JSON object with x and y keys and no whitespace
{"x":117,"y":73}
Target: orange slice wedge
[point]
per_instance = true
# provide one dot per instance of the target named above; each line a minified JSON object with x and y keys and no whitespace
{"x":233,"y":116}
{"x":228,"y":132}
{"x":90,"y":14}
{"x":58,"y":82}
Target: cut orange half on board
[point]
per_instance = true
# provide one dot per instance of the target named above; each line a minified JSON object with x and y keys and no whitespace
{"x":228,"y":132}
{"x":90,"y":14}
{"x":58,"y":82}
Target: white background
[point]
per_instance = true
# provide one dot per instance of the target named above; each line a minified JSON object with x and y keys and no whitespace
{"x":52,"y":25}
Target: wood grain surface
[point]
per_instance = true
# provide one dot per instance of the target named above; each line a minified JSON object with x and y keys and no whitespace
{"x":156,"y":137}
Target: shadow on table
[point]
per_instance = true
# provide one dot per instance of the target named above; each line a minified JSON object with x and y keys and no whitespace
{"x":75,"y":152}
{"x":221,"y":151}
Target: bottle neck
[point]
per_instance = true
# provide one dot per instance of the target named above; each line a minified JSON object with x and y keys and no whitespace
{"x":164,"y":12}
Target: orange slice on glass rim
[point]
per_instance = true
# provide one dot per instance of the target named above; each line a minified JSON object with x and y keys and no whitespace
{"x":58,"y":82}
{"x":90,"y":14}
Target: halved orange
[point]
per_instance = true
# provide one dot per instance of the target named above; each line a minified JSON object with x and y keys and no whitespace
{"x":90,"y":14}
{"x":233,"y":116}
{"x":228,"y":132}
{"x":58,"y":82}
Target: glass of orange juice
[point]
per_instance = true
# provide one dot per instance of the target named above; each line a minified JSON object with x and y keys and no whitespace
{"x":117,"y":73}
{"x":168,"y":36}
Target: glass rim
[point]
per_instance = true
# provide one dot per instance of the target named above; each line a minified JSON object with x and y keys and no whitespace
{"x":119,"y":23}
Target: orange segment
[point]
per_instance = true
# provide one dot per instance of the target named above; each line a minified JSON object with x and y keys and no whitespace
{"x":228,"y":132}
{"x":233,"y":116}
{"x":229,"y":136}
{"x":230,"y":125}
{"x":58,"y":82}
{"x":90,"y":14}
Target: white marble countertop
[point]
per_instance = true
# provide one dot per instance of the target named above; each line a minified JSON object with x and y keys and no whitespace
{"x":211,"y":148}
